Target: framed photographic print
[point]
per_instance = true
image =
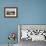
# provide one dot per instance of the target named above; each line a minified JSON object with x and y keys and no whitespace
{"x":10,"y":12}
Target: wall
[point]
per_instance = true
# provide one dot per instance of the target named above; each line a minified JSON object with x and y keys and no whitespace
{"x":29,"y":12}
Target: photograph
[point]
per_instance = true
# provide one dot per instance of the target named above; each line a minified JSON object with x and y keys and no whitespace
{"x":10,"y":12}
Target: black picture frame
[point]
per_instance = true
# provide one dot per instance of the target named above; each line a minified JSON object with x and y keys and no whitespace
{"x":10,"y":12}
